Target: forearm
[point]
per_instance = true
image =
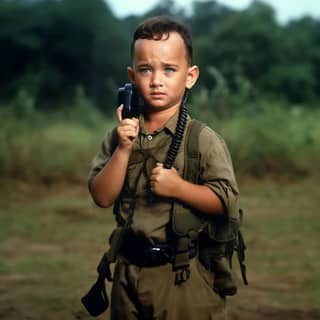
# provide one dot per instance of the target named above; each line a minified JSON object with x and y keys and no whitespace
{"x":199,"y":197}
{"x":107,"y":184}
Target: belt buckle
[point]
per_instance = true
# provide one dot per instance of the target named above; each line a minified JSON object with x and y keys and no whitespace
{"x":157,"y":256}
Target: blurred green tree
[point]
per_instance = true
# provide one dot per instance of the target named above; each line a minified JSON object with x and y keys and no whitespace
{"x":244,"y":44}
{"x":296,"y":73}
{"x":51,"y":47}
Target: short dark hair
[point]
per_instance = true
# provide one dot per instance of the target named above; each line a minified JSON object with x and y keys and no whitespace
{"x":156,"y":27}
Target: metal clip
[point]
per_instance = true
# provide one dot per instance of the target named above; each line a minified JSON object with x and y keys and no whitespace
{"x":182,"y":276}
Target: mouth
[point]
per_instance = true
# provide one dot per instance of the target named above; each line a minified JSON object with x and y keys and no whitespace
{"x":157,"y":94}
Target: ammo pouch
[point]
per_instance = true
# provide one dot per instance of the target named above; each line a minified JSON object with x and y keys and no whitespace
{"x":216,"y":247}
{"x":217,"y":239}
{"x":186,"y":227}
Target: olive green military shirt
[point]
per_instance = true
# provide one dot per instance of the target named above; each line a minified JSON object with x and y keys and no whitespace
{"x":152,"y":213}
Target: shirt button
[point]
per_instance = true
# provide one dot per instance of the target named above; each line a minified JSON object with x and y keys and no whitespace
{"x":149,"y":137}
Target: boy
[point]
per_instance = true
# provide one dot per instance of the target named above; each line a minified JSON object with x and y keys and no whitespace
{"x":134,"y":178}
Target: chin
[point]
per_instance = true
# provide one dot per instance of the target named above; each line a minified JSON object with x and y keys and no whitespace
{"x":157,"y":105}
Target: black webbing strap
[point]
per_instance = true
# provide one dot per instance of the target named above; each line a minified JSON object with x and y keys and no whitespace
{"x":241,"y":248}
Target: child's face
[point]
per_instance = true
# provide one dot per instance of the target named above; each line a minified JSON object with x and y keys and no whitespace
{"x":161,"y":71}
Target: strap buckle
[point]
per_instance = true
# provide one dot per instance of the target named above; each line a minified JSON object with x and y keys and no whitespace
{"x":182,"y":276}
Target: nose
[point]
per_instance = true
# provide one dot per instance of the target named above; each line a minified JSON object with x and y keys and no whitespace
{"x":156,"y":80}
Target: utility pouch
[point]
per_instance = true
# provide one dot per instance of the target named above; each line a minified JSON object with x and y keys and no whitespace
{"x":96,"y":300}
{"x":183,"y":221}
{"x":213,"y":256}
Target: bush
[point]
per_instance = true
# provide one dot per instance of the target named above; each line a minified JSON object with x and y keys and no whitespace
{"x":264,"y":139}
{"x":273,"y":140}
{"x":48,"y":149}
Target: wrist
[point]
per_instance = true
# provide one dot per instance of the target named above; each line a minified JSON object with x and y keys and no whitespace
{"x":123,"y":151}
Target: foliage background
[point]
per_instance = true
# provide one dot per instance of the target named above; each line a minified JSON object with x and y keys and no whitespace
{"x":259,"y":84}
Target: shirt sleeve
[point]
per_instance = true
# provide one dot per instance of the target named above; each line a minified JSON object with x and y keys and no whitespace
{"x":216,"y":169}
{"x":101,"y":158}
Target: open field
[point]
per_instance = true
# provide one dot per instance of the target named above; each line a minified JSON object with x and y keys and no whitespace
{"x":51,"y":239}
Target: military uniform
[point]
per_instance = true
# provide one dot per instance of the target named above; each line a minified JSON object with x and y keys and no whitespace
{"x":151,"y":290}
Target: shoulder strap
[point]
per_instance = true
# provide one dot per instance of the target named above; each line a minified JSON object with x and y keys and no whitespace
{"x":192,"y":154}
{"x":185,"y":224}
{"x":184,"y":221}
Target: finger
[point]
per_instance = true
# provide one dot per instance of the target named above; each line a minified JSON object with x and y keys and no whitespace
{"x":136,"y":122}
{"x":153,"y":186}
{"x":129,"y":122}
{"x":152,"y":176}
{"x":128,"y":135}
{"x":126,"y":131}
{"x":155,"y":171}
{"x":126,"y":127}
{"x":119,"y":112}
{"x":173,"y":169}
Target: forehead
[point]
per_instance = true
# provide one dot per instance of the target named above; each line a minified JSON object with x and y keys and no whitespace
{"x":170,"y":47}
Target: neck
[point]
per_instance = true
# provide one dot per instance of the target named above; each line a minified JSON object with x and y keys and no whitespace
{"x":155,"y":120}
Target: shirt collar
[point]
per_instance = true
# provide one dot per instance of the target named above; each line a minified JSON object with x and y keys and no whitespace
{"x":170,"y":125}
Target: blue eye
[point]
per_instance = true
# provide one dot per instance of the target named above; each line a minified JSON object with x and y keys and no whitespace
{"x":144,"y":70}
{"x":170,"y":70}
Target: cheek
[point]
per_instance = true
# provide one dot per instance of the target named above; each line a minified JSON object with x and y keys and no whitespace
{"x":142,"y":81}
{"x":144,"y":86}
{"x":141,"y":84}
{"x":180,"y":83}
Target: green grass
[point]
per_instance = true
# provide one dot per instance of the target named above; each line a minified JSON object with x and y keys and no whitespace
{"x":282,"y":227}
{"x":50,"y":247}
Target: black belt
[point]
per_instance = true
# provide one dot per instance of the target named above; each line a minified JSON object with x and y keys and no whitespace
{"x":148,"y":257}
{"x":145,"y":254}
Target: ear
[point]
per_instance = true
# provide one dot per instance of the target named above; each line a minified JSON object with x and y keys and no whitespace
{"x":131,"y":75}
{"x":192,"y":76}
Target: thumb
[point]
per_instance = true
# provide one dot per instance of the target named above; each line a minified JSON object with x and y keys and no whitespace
{"x":119,"y":112}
